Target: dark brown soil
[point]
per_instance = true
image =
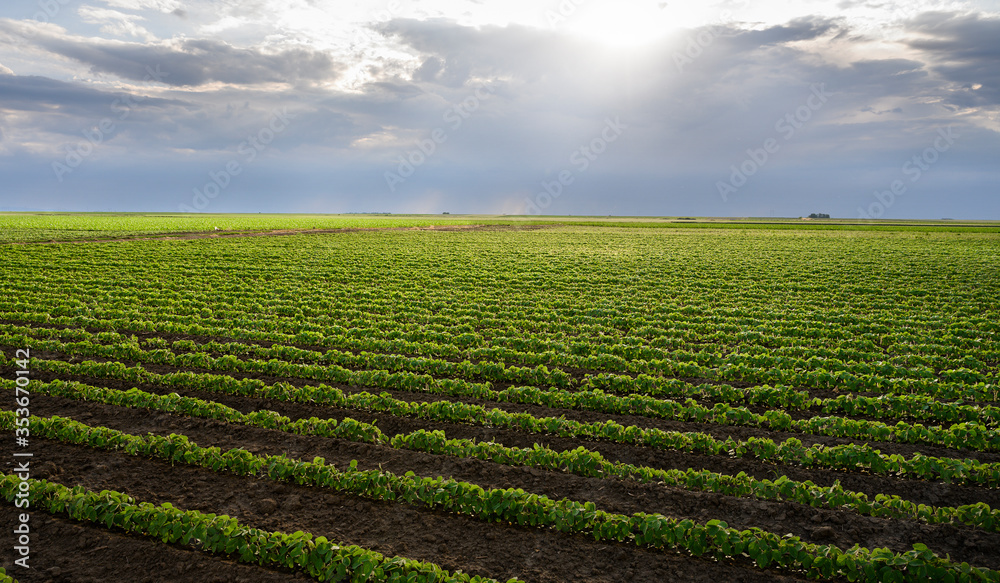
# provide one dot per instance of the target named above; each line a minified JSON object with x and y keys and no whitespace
{"x":841,"y":527}
{"x":454,"y":542}
{"x":63,"y":551}
{"x":495,"y":550}
{"x":720,"y":432}
{"x":921,"y":491}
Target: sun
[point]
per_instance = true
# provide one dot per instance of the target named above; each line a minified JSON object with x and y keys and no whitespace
{"x":635,"y":24}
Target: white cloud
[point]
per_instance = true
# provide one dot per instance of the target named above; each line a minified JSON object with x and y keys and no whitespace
{"x":367,"y":86}
{"x":115,"y":23}
{"x":159,"y":5}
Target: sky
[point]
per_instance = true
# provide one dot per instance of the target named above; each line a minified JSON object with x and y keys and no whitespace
{"x":854,"y":108}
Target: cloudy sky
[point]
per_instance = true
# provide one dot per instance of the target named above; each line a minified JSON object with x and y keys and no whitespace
{"x":729,"y":108}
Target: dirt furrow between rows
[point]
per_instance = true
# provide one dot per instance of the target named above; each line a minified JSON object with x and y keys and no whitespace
{"x":454,"y":542}
{"x":63,"y":550}
{"x":920,"y":491}
{"x":577,"y":373}
{"x":720,"y":432}
{"x":841,"y":527}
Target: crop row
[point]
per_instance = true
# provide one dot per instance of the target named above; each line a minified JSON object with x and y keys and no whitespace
{"x":579,"y":461}
{"x":224,"y":535}
{"x":964,"y":384}
{"x":742,"y":326}
{"x":897,"y":406}
{"x":583,"y":462}
{"x":790,"y":452}
{"x":893,"y":405}
{"x":483,"y":368}
{"x":631,"y":348}
{"x":960,"y":435}
{"x":516,"y":506}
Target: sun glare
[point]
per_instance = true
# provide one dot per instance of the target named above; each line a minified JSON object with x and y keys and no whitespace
{"x":635,"y":24}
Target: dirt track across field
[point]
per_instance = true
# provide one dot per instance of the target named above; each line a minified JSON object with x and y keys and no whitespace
{"x":278,"y":232}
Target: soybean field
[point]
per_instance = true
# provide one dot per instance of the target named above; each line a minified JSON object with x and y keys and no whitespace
{"x":502,"y":402}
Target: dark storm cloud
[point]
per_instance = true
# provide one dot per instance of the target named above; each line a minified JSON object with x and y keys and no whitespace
{"x":799,"y":29}
{"x":429,"y":70}
{"x":882,"y":78}
{"x":192,"y":62}
{"x":964,"y":49}
{"x":549,"y":92}
{"x":32,"y":93}
{"x":64,"y":109}
{"x":552,"y":90}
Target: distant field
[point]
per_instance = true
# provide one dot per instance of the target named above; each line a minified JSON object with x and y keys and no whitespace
{"x":44,"y":227}
{"x":565,"y":403}
{"x":27,"y":227}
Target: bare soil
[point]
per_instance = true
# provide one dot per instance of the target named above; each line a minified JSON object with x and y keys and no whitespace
{"x":221,"y":234}
{"x":68,"y":551}
{"x":64,"y":551}
{"x":489,"y":549}
{"x":841,"y":527}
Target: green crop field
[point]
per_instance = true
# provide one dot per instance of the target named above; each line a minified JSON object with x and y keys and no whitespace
{"x":534,"y":399}
{"x":58,"y":227}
